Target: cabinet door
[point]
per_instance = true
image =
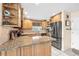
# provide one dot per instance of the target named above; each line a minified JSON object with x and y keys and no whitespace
{"x":26,"y":51}
{"x":48,"y":49}
{"x":11,"y":52}
{"x":43,"y":49}
{"x":2,"y":53}
{"x":39,"y":50}
{"x":18,"y":52}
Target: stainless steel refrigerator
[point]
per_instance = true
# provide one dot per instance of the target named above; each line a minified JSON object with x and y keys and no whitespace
{"x":56,"y":34}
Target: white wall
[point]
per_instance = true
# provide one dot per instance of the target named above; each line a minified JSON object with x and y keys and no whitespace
{"x":75,"y":30}
{"x":66,"y":32}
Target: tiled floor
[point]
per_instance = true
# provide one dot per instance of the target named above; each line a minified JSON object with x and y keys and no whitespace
{"x":68,"y":52}
{"x":56,"y":52}
{"x":72,"y":52}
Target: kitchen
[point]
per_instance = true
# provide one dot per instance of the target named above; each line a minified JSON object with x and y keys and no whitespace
{"x":20,"y":40}
{"x":22,"y":35}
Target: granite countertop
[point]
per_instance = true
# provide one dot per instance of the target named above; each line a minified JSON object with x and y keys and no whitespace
{"x":23,"y":41}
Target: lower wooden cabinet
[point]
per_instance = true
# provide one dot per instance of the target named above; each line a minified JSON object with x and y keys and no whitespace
{"x":42,"y":49}
{"x":18,"y":52}
{"x":2,"y":53}
{"x":26,"y":51}
{"x":10,"y":52}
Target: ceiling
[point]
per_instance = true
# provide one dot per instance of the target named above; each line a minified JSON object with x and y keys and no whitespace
{"x":46,"y":10}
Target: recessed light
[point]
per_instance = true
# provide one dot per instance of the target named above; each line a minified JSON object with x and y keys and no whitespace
{"x":37,"y":4}
{"x":25,"y":13}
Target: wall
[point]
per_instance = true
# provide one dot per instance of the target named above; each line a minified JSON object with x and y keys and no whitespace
{"x":66,"y":32}
{"x":75,"y":29}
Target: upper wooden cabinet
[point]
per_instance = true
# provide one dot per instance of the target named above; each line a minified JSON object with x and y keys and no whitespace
{"x":55,"y":18}
{"x":36,"y":22}
{"x":27,"y":24}
{"x":11,"y":14}
{"x":44,"y":24}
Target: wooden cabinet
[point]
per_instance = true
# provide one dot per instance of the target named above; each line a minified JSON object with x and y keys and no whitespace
{"x":27,"y":24}
{"x":18,"y":52}
{"x":10,"y":52}
{"x":36,"y":22}
{"x":44,"y":24}
{"x":11,"y":14}
{"x":43,"y":49}
{"x":25,"y":46}
{"x":2,"y":53}
{"x":56,"y":18}
{"x":26,"y":51}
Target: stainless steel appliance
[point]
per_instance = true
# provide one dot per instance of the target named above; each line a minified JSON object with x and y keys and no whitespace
{"x":56,"y":34}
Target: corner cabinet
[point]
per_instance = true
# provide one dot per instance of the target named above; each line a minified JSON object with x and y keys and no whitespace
{"x":11,"y":14}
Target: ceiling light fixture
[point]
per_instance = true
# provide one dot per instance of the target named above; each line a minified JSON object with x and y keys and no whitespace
{"x":37,"y":4}
{"x":25,"y":13}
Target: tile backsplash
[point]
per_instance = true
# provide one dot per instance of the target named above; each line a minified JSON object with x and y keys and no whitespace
{"x":36,"y":28}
